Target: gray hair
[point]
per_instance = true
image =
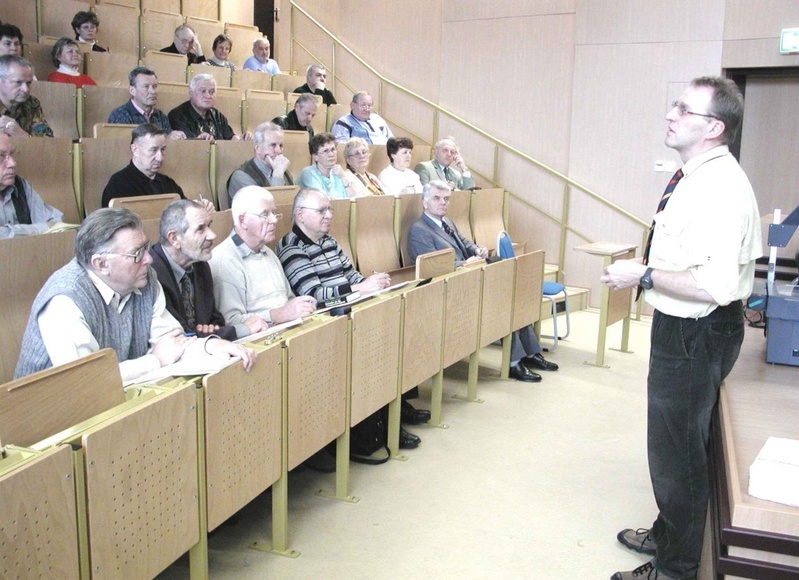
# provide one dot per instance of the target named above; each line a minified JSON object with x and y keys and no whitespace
{"x":96,"y":233}
{"x":299,"y":199}
{"x":311,"y":68}
{"x":173,"y":218}
{"x":440,"y":142}
{"x":199,"y":78}
{"x":9,"y":60}
{"x":184,"y":27}
{"x":246,"y":200}
{"x":258,"y":136}
{"x":140,"y":70}
{"x":358,"y":95}
{"x":354,"y":143}
{"x":261,"y":39}
{"x":305,"y":98}
{"x":434,"y":184}
{"x":60,"y":45}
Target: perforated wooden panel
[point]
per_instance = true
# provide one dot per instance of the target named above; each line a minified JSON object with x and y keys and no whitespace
{"x":242,"y":433}
{"x":317,"y":377}
{"x":38,"y":529}
{"x":462,"y":315}
{"x":141,"y":487}
{"x":375,"y":356}
{"x":497,"y":299}
{"x":424,"y":331}
{"x":529,"y":281}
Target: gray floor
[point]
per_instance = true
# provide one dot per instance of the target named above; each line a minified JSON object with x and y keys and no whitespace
{"x":533,"y":483}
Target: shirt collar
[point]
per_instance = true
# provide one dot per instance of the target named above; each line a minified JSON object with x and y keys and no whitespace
{"x":243,"y":249}
{"x":108,"y":294}
{"x":176,"y":269}
{"x":435,"y":220}
{"x":695,"y":162}
{"x":139,"y":109}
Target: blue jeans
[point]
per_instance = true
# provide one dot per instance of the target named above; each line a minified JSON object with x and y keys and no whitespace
{"x":689,"y":359}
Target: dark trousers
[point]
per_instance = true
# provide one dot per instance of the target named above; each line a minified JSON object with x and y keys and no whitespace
{"x":523,"y":343}
{"x":688,"y":361}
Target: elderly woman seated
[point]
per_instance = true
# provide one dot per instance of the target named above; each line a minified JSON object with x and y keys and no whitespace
{"x":325,"y":174}
{"x":398,"y":178}
{"x":67,"y":59}
{"x":221,"y":47}
{"x":356,"y":155}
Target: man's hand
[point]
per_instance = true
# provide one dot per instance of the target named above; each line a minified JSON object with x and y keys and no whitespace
{"x":171,"y":347}
{"x":255,"y":324}
{"x":246,"y":136}
{"x":196,"y":48}
{"x":207,"y":328}
{"x":10,"y":127}
{"x":460,"y":163}
{"x":206,"y":137}
{"x":207,"y":204}
{"x":373,"y":283}
{"x":279,"y":165}
{"x":175,"y":135}
{"x":623,"y":274}
{"x":219,"y":346}
{"x":473,"y":259}
{"x":294,"y":308}
{"x":481,"y":252}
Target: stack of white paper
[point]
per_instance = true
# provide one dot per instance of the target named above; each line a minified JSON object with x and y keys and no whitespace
{"x":774,"y":476}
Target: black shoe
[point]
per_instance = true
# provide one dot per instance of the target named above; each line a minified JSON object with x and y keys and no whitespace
{"x":522,"y":373}
{"x":408,"y":440}
{"x":538,"y":362}
{"x":413,"y":416}
{"x":321,"y":461}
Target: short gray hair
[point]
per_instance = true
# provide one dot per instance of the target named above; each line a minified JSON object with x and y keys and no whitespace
{"x":440,"y":142}
{"x":358,"y":95}
{"x":299,"y":199}
{"x":246,"y":200}
{"x":199,"y":78}
{"x":173,"y":218}
{"x":258,"y":136}
{"x":59,"y":46}
{"x":261,"y":39}
{"x":434,"y":184}
{"x":305,"y":98}
{"x":311,"y":68}
{"x":354,"y":143}
{"x":9,"y":60}
{"x":96,"y":233}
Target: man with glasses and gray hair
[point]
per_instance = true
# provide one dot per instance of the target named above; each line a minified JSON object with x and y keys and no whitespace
{"x":186,"y":42}
{"x":362,"y":122}
{"x":109,"y":297}
{"x":268,"y":167}
{"x":248,"y":277}
{"x":198,"y":118}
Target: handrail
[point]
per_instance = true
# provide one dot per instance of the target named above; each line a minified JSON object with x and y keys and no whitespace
{"x":498,"y":143}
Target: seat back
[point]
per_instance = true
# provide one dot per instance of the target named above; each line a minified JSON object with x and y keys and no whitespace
{"x":99,"y":160}
{"x":112,"y":131}
{"x":56,"y":17}
{"x":286,"y":85}
{"x":98,"y":102}
{"x":188,"y":162}
{"x":251,"y":79}
{"x":228,"y":102}
{"x":487,"y":216}
{"x":340,"y":226}
{"x":147,"y":207}
{"x":504,"y":246}
{"x":119,"y":28}
{"x":378,"y":159}
{"x":168,"y":67}
{"x":23,"y":14}
{"x":410,"y":209}
{"x":203,"y":21}
{"x":43,"y":404}
{"x":460,"y":203}
{"x":170,"y":6}
{"x":39,"y":55}
{"x":295,"y":147}
{"x":110,"y":68}
{"x":262,"y":106}
{"x":228,"y":156}
{"x":59,"y":104}
{"x":221,"y":74}
{"x":23,"y":278}
{"x":376,"y":247}
{"x":334,"y":113}
{"x":158,"y":28}
{"x":47,"y":164}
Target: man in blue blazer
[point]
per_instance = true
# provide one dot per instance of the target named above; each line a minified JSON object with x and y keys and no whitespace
{"x":435,"y":231}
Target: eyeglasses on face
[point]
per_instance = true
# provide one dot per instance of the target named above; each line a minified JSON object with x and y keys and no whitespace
{"x":137,"y":256}
{"x":319,"y":210}
{"x":682,"y":110}
{"x":267,"y":216}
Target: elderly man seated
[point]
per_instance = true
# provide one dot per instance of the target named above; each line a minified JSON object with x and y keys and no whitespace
{"x":315,"y":265}
{"x":300,"y":117}
{"x":186,"y":42}
{"x":22,"y":210}
{"x":260,"y":61}
{"x":435,"y":231}
{"x":180,"y":261}
{"x":362,"y":122}
{"x":268,"y":168}
{"x":109,"y":297}
{"x":143,"y":88}
{"x":447,"y":165}
{"x":20,"y":112}
{"x":315,"y":77}
{"x":197,"y":117}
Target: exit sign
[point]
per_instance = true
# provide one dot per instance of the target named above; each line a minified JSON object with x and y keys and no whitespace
{"x":789,"y":41}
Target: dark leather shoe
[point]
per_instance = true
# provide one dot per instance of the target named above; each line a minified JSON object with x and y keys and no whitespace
{"x":538,"y":362}
{"x":413,"y":416}
{"x":408,"y":440}
{"x":522,"y":373}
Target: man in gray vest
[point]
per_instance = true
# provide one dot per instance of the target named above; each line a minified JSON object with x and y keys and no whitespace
{"x":268,"y":168}
{"x":109,"y":297}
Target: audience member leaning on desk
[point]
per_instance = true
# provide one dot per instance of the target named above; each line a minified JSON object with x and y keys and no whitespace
{"x":109,"y":297}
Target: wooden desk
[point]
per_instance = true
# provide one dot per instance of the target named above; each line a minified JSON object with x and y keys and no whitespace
{"x":615,"y":305}
{"x":752,"y":538}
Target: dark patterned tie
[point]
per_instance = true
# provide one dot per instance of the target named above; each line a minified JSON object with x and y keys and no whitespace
{"x":675,"y":179}
{"x":448,"y":230}
{"x":448,"y":174}
{"x":187,"y":293}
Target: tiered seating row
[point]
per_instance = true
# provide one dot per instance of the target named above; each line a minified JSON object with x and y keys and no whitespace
{"x":156,"y":473}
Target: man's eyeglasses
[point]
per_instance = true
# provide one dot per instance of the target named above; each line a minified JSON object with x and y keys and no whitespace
{"x":365,"y":107}
{"x":682,"y":110}
{"x":137,"y":256}
{"x":319,"y":210}
{"x":267,"y":216}
{"x":6,"y":156}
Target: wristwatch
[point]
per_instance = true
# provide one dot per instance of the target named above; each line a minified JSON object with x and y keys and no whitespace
{"x":646,"y":280}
